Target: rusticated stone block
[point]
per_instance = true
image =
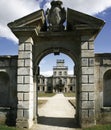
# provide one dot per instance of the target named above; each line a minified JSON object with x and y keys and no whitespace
{"x":91,"y":61}
{"x":19,"y":114}
{"x":28,"y":62}
{"x":26,"y":113}
{"x":91,"y":45}
{"x":84,"y":62}
{"x":24,"y":71}
{"x":91,"y":113}
{"x":28,"y":79}
{"x":84,"y":45}
{"x":84,"y":114}
{"x":28,"y":47}
{"x":87,"y":87}
{"x":20,"y":79}
{"x":26,"y":104}
{"x":21,"y":46}
{"x":91,"y":96}
{"x":21,"y":63}
{"x":25,"y":55}
{"x":87,"y":53}
{"x":91,"y":78}
{"x":20,"y":96}
{"x":87,"y":70}
{"x":26,"y":96}
{"x":87,"y":104}
{"x":20,"y":105}
{"x":84,"y":96}
{"x":24,"y":87}
{"x":84,"y":78}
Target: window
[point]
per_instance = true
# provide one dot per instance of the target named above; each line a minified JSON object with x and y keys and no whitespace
{"x":43,"y":81}
{"x":38,"y":88}
{"x":60,"y":73}
{"x":65,"y":73}
{"x":54,"y":73}
{"x":71,"y":80}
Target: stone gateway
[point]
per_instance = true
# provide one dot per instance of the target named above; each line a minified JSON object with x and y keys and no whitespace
{"x":38,"y":38}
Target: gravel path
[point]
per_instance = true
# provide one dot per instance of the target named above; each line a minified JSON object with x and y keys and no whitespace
{"x":56,"y":114}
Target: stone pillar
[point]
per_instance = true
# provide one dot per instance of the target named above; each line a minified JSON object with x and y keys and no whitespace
{"x":25,"y":89}
{"x":87,"y":95}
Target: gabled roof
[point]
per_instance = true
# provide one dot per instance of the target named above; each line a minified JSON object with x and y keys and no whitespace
{"x":33,"y":19}
{"x":80,"y":21}
{"x":76,"y":21}
{"x":28,"y":25}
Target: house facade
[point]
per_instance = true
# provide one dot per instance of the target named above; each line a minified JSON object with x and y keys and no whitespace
{"x":60,"y":81}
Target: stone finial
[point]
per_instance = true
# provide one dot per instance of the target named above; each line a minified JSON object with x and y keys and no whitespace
{"x":56,"y":16}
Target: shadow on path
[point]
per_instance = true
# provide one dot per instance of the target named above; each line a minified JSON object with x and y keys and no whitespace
{"x":57,"y":121}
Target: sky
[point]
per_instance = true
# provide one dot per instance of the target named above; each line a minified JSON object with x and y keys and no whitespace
{"x":14,"y":9}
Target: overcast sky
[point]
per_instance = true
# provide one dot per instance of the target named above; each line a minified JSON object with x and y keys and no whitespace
{"x":14,"y":9}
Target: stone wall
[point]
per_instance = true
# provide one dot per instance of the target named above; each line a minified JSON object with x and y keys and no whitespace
{"x":102,"y":88}
{"x":8,"y":89}
{"x":102,"y":81}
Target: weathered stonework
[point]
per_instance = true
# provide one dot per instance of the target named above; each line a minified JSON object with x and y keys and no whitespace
{"x":77,"y":41}
{"x":25,"y":82}
{"x":87,"y":76}
{"x":8,"y":89}
{"x":102,"y":67}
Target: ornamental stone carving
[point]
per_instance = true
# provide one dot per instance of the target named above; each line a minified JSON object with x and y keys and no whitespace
{"x":56,"y":16}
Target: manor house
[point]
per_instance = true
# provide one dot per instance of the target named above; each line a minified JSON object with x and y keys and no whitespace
{"x":60,"y":81}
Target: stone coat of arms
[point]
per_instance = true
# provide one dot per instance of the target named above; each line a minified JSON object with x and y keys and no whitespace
{"x":56,"y":16}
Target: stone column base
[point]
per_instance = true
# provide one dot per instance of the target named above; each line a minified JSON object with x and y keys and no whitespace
{"x":24,"y":123}
{"x":87,"y":123}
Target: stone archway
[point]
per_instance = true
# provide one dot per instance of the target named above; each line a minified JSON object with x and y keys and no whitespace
{"x":107,"y":89}
{"x":36,"y":40}
{"x":60,"y":48}
{"x":48,"y":51}
{"x":4,"y":89}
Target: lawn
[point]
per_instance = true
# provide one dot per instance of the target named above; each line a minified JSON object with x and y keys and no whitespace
{"x":3,"y":127}
{"x":69,"y":94}
{"x":42,"y":94}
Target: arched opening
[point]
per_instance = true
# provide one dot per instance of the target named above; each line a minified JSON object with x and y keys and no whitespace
{"x":107,"y":89}
{"x":4,"y":89}
{"x":58,"y":72}
{"x":57,"y":75}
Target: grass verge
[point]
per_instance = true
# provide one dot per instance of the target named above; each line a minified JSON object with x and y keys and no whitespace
{"x":4,"y":127}
{"x":99,"y":127}
{"x":73,"y":103}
